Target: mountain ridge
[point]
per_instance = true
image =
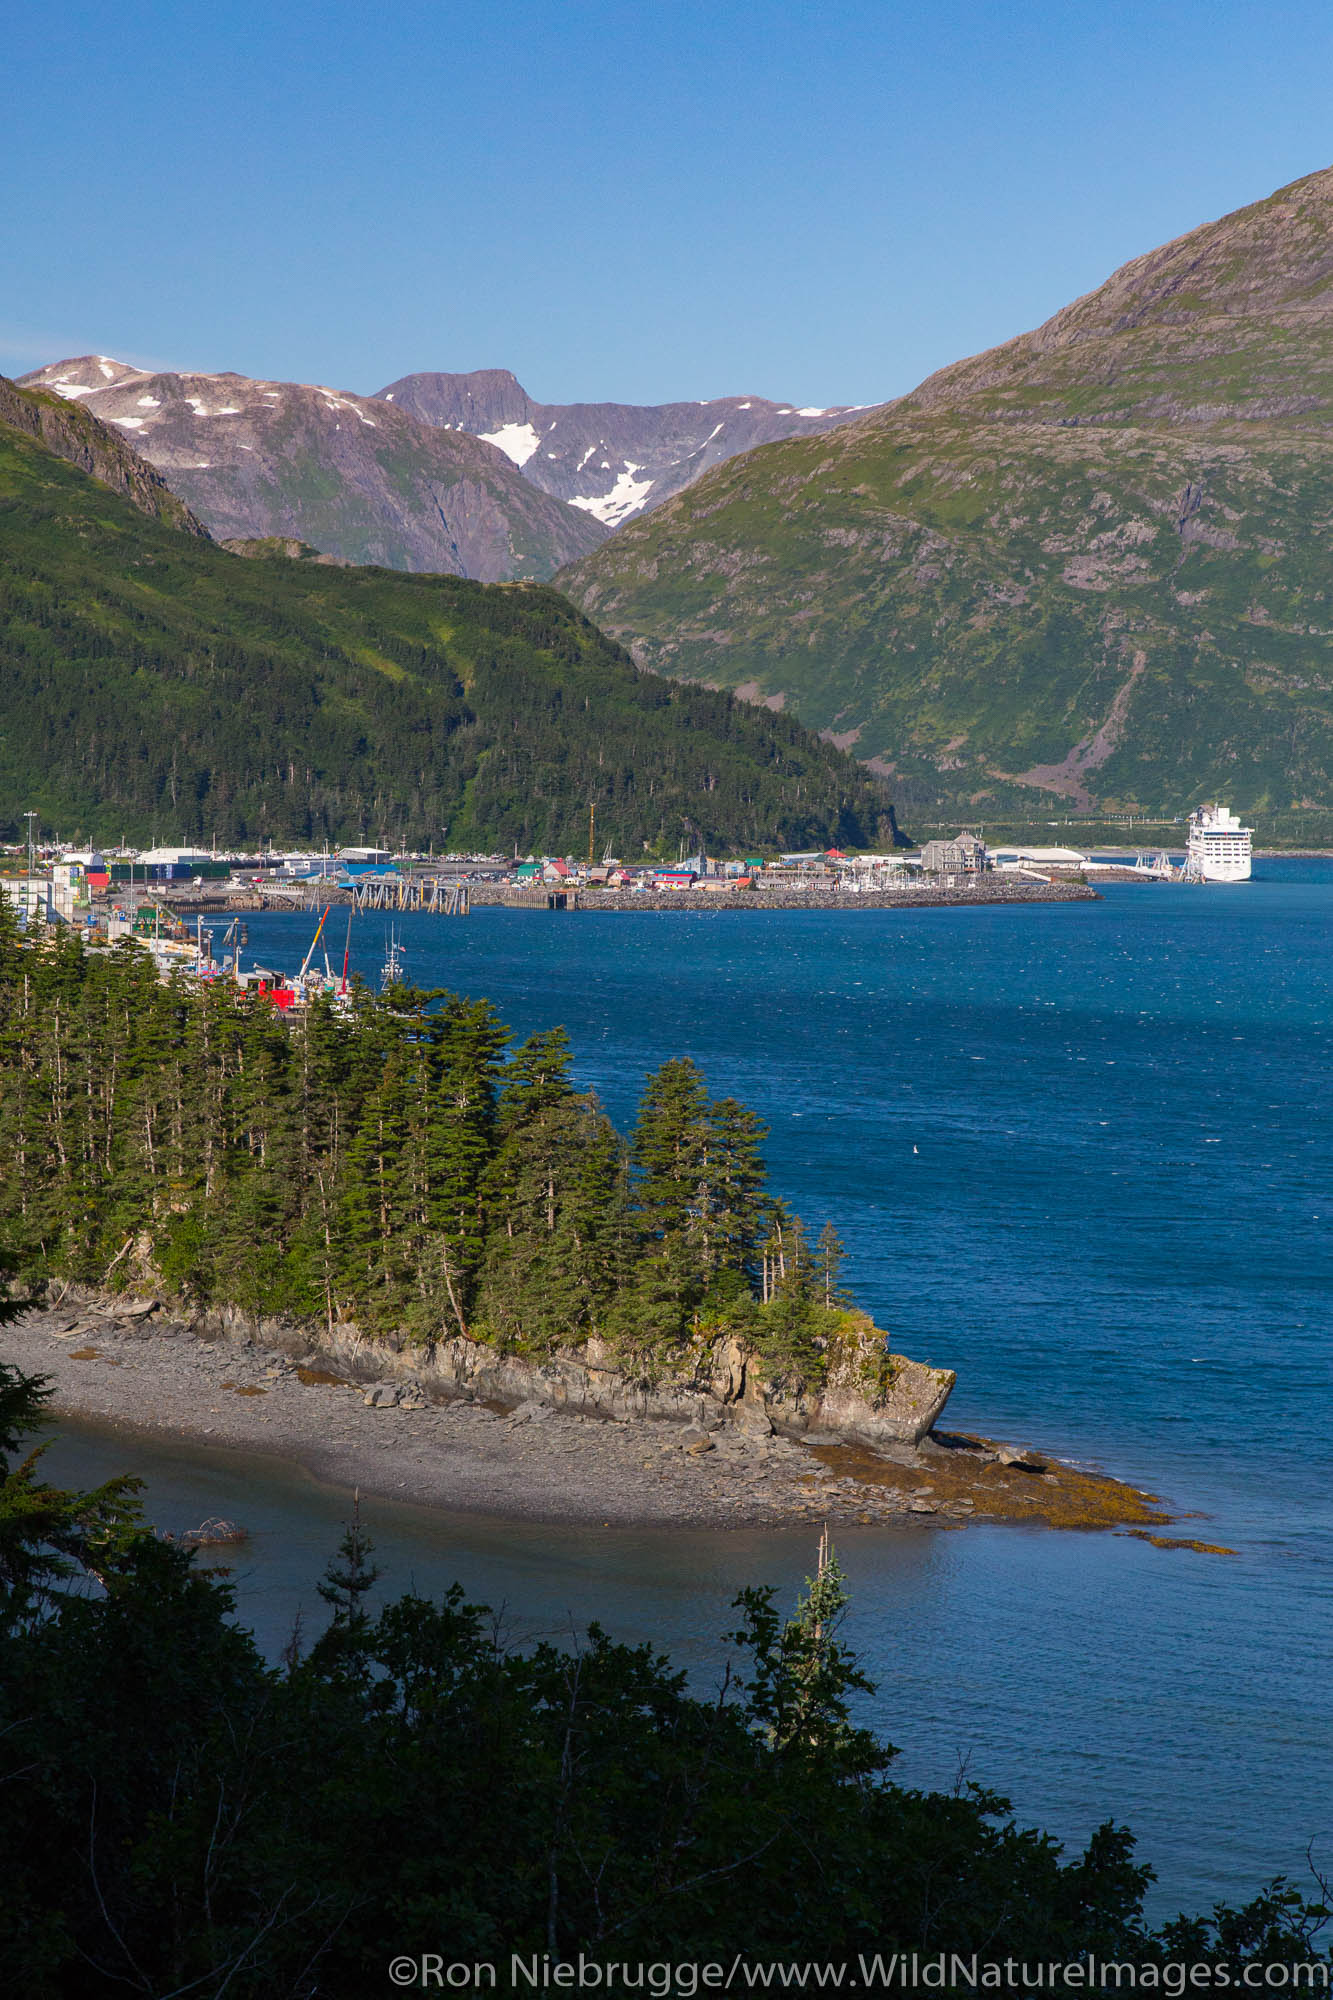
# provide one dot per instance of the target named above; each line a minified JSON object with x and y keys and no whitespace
{"x":338,"y":471}
{"x":79,"y":438}
{"x":1087,"y":566}
{"x":613,"y":461}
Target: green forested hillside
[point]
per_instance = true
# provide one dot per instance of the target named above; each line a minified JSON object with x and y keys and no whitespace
{"x":1091,"y":567}
{"x":155,"y":685}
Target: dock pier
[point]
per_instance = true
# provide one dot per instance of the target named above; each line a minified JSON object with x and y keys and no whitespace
{"x":432,"y":895}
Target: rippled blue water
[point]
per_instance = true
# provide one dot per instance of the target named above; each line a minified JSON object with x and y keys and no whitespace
{"x":1081,"y":1153}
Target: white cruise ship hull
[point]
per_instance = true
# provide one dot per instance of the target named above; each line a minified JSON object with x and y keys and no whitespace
{"x":1214,"y":868}
{"x":1218,"y":849}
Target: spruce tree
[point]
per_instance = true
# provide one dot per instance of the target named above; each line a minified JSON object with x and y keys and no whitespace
{"x":739,"y":1208}
{"x":345,"y":1585}
{"x":669,"y":1150}
{"x":829,"y":1255}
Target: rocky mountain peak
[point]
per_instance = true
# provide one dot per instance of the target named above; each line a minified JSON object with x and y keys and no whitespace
{"x":1232,"y":322}
{"x":1275,"y":256}
{"x":485,"y":400}
{"x":610,"y":460}
{"x":1088,"y":566}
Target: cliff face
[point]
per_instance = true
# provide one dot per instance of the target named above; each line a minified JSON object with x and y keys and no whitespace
{"x":867,"y":1396}
{"x":77,"y":436}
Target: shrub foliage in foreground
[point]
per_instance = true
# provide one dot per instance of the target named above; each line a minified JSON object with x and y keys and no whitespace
{"x":177,"y":1816}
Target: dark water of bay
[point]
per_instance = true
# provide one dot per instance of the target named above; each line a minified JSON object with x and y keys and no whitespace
{"x":1084,"y":1155}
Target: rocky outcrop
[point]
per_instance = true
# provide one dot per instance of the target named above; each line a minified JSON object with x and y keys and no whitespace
{"x":865,"y":1395}
{"x":281,"y":548}
{"x":721,"y":1383}
{"x":77,"y":436}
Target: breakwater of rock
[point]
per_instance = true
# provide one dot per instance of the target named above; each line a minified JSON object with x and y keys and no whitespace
{"x":981,"y":893}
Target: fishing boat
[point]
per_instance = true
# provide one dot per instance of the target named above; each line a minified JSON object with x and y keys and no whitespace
{"x":391,"y":972}
{"x":310,"y":984}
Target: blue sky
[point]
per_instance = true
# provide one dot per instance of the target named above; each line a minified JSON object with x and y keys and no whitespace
{"x":641,"y":201}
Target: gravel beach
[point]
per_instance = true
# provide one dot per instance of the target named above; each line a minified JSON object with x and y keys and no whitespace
{"x":143,"y":1370}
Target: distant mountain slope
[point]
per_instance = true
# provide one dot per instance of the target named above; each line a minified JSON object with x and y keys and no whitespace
{"x":153,"y":684}
{"x":348,"y":475}
{"x":612,"y":460}
{"x":1092,"y":565}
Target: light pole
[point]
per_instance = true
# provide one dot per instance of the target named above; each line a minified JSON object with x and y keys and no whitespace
{"x":30,"y":817}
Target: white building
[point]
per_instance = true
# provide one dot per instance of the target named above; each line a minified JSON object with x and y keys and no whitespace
{"x":173,"y":857}
{"x":30,"y":896}
{"x":964,"y":856}
{"x":1063,"y":860}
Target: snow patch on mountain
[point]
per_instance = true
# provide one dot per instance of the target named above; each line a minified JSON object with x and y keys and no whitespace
{"x":704,"y":446}
{"x":624,"y":499}
{"x":516,"y":441}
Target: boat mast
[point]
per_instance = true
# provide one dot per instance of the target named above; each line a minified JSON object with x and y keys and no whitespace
{"x":305,"y":962}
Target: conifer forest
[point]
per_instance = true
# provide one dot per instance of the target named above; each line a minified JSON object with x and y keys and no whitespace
{"x":397,"y":1164}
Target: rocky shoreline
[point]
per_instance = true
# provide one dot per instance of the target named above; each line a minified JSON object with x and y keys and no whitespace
{"x":131,"y":1365}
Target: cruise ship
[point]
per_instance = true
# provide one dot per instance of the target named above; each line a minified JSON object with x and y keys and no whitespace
{"x":1218,"y":849}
